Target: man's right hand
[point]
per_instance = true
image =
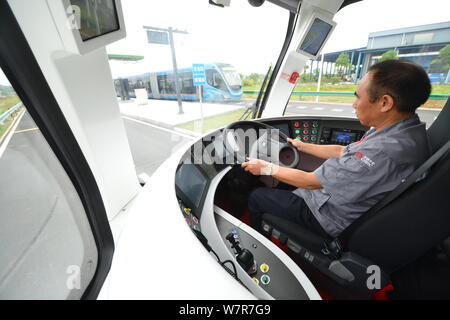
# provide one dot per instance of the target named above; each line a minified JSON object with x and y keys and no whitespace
{"x":296,"y":143}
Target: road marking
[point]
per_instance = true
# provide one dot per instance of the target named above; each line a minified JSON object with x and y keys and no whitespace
{"x":301,"y":108}
{"x":26,"y":130}
{"x":10,"y":134}
{"x":337,"y":110}
{"x":318,"y":108}
{"x":160,"y":128}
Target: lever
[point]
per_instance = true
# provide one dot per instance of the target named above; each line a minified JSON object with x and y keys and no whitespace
{"x":243,"y":256}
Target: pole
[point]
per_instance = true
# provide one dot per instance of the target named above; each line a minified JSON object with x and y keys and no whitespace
{"x":200,"y":89}
{"x":320,"y":76}
{"x":175,"y":71}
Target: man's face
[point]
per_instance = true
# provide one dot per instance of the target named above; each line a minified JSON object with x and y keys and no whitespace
{"x":367,"y":112}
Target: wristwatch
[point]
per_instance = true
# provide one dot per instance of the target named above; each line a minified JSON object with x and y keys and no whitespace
{"x":267,"y":171}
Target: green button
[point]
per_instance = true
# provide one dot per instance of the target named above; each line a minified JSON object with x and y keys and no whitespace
{"x":298,"y":138}
{"x":315,"y":124}
{"x":314,"y":132}
{"x":297,"y":131}
{"x":313,"y":138}
{"x":265,"y":279}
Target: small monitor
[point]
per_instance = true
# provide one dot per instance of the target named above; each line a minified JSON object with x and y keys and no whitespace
{"x":343,"y":137}
{"x":191,"y":184}
{"x":87,"y":25}
{"x":316,"y":35}
{"x":97,"y":17}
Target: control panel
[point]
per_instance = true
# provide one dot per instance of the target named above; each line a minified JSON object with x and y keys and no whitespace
{"x":306,"y":130}
{"x":192,"y":221}
{"x":261,"y":265}
{"x":321,"y":132}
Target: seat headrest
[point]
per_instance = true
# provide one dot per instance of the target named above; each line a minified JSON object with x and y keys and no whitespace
{"x":439,"y":131}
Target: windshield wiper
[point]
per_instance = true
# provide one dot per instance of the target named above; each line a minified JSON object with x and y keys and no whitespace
{"x":254,"y":109}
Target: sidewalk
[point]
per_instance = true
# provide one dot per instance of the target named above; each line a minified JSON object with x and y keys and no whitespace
{"x":165,"y":113}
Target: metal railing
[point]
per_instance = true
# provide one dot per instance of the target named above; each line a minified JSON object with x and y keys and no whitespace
{"x":9,"y":112}
{"x":342,"y":94}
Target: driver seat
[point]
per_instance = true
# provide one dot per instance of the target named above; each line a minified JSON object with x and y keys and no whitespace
{"x":409,"y":222}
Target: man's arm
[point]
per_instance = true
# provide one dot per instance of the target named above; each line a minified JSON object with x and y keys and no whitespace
{"x":321,"y":151}
{"x":294,"y":177}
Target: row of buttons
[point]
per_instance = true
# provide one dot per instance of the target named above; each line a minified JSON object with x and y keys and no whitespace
{"x":306,"y":131}
{"x":192,"y":221}
{"x":265,"y":278}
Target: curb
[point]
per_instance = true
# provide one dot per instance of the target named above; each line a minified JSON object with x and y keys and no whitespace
{"x":6,"y":134}
{"x":162,"y":125}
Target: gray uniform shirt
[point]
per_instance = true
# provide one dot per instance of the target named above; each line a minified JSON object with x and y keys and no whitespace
{"x":366,"y":172}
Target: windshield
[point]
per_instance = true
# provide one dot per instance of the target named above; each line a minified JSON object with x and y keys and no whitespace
{"x":231,"y":76}
{"x":188,"y":67}
{"x":409,"y":30}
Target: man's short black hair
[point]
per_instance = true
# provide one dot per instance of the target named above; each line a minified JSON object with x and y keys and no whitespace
{"x":406,"y":82}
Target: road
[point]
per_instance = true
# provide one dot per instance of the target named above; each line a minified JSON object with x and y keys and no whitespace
{"x":151,"y":145}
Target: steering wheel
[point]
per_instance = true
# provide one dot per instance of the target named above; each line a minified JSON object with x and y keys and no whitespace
{"x":258,"y":140}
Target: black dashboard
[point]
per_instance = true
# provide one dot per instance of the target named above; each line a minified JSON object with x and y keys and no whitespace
{"x":208,"y":170}
{"x":207,"y":157}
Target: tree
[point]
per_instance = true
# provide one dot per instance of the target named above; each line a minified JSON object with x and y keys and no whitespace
{"x":442,"y":63}
{"x":342,"y":63}
{"x":389,"y":55}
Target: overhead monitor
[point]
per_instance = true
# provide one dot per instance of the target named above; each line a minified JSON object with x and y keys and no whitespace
{"x":317,"y":32}
{"x":97,"y":17}
{"x":87,"y":25}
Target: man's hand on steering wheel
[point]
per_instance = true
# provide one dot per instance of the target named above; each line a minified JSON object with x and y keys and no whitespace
{"x":296,"y":143}
{"x":258,"y":167}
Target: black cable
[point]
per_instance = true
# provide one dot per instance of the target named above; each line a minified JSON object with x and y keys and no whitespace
{"x":234,"y":268}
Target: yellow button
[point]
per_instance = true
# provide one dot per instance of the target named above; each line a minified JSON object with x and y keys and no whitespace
{"x":264,"y":268}
{"x":187,"y":210}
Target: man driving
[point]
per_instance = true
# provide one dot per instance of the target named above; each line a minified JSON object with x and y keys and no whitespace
{"x":354,"y":178}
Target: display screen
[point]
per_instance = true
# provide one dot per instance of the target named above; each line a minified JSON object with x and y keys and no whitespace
{"x":343,"y":137}
{"x":315,"y":37}
{"x":98,"y":17}
{"x":191,"y":182}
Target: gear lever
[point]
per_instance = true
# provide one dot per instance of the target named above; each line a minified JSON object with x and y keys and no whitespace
{"x":243,"y":256}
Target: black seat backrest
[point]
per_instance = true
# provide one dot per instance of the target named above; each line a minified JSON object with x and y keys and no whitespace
{"x":412,"y":223}
{"x":439,"y":131}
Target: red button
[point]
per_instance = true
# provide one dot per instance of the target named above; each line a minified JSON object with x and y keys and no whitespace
{"x":296,"y":124}
{"x":305,"y":132}
{"x":188,"y":221}
{"x":306,"y":124}
{"x":195,"y":220}
{"x":305,"y":138}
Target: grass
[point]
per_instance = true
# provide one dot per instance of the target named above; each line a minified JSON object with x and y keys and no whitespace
{"x":436,"y":89}
{"x":212,"y":123}
{"x":8,"y":102}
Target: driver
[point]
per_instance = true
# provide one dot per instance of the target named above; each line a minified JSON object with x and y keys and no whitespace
{"x":354,"y":178}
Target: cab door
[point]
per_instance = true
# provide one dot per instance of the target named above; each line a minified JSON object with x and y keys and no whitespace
{"x":55,"y":239}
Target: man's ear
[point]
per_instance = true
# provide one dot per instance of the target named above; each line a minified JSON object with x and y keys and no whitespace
{"x":387,"y":103}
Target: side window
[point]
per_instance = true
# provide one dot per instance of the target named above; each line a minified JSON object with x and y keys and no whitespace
{"x":47,"y":248}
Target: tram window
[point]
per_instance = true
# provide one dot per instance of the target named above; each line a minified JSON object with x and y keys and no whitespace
{"x":417,"y":33}
{"x":45,"y":236}
{"x":215,"y":79}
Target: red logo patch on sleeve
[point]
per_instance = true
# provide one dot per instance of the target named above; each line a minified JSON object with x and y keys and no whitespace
{"x":359,"y":155}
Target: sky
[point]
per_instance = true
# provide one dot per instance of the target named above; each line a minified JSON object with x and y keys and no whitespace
{"x":247,"y":37}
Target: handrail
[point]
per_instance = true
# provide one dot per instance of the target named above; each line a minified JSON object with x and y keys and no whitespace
{"x":10,"y":111}
{"x":342,"y":94}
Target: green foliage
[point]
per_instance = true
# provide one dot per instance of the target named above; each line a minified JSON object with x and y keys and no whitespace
{"x":342,"y":63}
{"x":442,"y":62}
{"x":389,"y":55}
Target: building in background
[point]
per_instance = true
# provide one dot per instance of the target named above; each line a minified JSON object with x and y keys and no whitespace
{"x":420,"y":44}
